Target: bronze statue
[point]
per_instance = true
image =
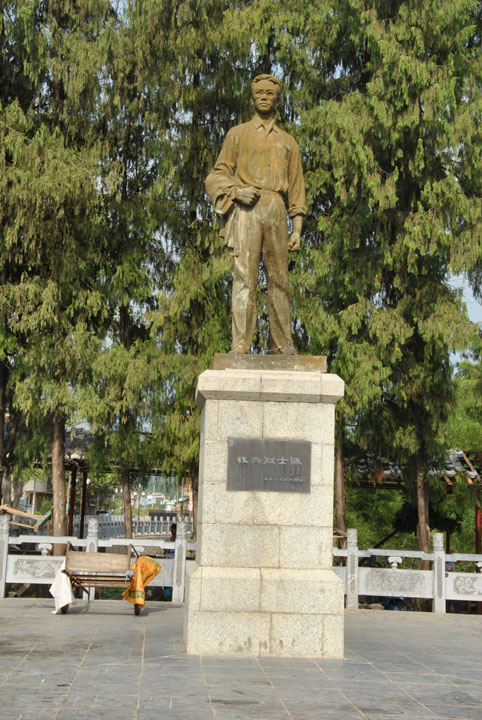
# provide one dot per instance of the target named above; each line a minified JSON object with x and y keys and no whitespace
{"x":259,"y":170}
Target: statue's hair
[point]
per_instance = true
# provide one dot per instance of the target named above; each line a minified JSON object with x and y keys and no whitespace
{"x":270,"y":78}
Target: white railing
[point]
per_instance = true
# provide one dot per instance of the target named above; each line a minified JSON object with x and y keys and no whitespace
{"x":360,"y":580}
{"x":41,"y":568}
{"x":437,"y":583}
{"x":111,"y":526}
{"x":151,"y":526}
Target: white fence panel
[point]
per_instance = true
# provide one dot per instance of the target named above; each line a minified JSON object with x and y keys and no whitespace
{"x":395,"y":583}
{"x":340,"y":570}
{"x":33,"y":569}
{"x":463,"y":586}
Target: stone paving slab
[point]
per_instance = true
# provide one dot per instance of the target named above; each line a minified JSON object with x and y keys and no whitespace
{"x":102,"y":662}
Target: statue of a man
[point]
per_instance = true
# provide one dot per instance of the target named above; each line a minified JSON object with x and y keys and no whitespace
{"x":256,"y":178}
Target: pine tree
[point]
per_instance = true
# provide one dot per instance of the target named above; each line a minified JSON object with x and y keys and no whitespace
{"x":390,"y":144}
{"x":135,"y":166}
{"x":50,"y":229}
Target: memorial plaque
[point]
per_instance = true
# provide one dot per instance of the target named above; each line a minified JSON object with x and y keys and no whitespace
{"x":269,"y":465}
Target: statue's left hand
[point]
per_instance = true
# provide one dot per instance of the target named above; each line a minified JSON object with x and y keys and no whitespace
{"x":294,"y":241}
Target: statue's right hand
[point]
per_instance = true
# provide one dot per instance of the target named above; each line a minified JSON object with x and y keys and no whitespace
{"x":247,"y":196}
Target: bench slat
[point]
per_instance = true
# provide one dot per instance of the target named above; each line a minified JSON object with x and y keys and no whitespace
{"x":96,"y":562}
{"x":88,"y":581}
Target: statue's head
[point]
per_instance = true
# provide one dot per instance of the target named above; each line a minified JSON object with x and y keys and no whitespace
{"x":265,"y":93}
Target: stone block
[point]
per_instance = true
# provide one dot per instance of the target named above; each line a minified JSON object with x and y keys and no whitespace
{"x":280,"y":363}
{"x":227,"y":385}
{"x":308,"y":592}
{"x":199,"y":530}
{"x":205,"y":506}
{"x":328,"y":465}
{"x":306,"y":547}
{"x":201,"y":460}
{"x":223,"y":507}
{"x":218,"y":633}
{"x":316,"y":464}
{"x":193,"y":586}
{"x":239,"y":546}
{"x":322,"y":464}
{"x":296,"y":635}
{"x":304,"y":387}
{"x":299,"y":421}
{"x":230,"y":589}
{"x":209,"y":421}
{"x":332,"y":388}
{"x":214,"y":461}
{"x":327,"y":509}
{"x":333,"y":640}
{"x":308,"y":509}
{"x":240,"y":419}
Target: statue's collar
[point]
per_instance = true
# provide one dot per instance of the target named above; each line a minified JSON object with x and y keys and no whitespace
{"x":268,"y":125}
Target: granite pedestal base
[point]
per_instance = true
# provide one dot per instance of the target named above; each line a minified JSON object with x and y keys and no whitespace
{"x":263,"y":582}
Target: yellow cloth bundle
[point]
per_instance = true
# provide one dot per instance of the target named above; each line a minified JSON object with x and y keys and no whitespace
{"x":145,"y":569}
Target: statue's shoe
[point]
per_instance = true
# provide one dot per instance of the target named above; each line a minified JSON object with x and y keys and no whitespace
{"x":283,"y":350}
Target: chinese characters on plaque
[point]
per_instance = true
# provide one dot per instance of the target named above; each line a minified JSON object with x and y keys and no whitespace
{"x":269,"y":465}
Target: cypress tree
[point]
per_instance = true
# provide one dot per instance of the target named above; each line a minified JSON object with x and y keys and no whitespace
{"x":391,"y":149}
{"x":135,"y":170}
{"x":50,"y":229}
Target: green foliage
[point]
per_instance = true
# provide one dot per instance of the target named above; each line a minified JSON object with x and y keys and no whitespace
{"x":390,"y":165}
{"x":378,"y":512}
{"x":387,"y":192}
{"x":464,"y":426}
{"x":375,"y":514}
{"x":45,"y":506}
{"x":50,"y":226}
{"x":449,"y":506}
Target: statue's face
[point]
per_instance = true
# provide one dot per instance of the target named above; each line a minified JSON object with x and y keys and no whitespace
{"x":265,"y":97}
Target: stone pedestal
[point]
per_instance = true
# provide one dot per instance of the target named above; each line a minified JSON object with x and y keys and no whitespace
{"x":263,"y":582}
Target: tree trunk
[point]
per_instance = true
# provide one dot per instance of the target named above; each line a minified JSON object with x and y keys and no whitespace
{"x":423,"y":527}
{"x":73,"y":488}
{"x":126,"y":499}
{"x":58,"y":477}
{"x":83,"y":504}
{"x":16,"y":490}
{"x":340,"y":504}
{"x":7,"y":488}
{"x":125,"y":422}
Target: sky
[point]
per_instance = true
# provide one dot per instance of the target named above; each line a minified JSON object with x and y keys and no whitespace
{"x":474,"y":307}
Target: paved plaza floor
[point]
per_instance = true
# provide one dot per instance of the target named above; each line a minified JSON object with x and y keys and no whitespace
{"x":105,"y":663}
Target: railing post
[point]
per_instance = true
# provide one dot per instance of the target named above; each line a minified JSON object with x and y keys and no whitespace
{"x":438,"y":570}
{"x":4,"y":535}
{"x":92,"y":544}
{"x":179,"y":569}
{"x":352,"y":570}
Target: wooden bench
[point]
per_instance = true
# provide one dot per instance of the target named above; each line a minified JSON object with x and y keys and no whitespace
{"x":99,"y":570}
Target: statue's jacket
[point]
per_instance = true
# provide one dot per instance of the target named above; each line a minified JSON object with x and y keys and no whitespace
{"x":255,"y":154}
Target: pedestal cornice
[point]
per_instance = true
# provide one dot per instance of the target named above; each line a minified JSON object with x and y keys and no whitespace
{"x":260,"y":385}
